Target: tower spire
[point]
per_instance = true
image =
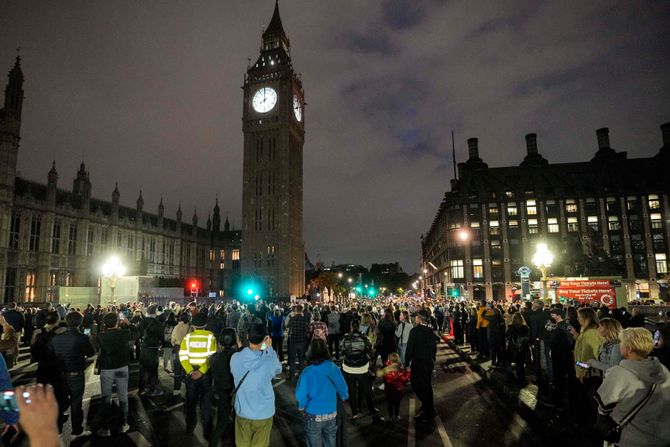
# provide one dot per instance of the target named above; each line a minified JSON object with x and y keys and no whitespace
{"x":14,"y":90}
{"x":274,"y":35}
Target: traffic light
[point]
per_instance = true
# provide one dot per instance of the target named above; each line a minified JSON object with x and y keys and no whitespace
{"x":358,"y":289}
{"x":455,"y":292}
{"x":372,"y":292}
{"x":249,"y":290}
{"x":193,"y":283}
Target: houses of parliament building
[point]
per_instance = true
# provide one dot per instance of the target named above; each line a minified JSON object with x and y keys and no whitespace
{"x":53,"y":237}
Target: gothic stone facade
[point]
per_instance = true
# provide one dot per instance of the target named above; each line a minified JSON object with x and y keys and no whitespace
{"x":273,"y":125}
{"x":52,"y":237}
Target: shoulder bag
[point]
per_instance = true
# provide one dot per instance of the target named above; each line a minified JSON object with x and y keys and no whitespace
{"x":233,"y":397}
{"x":610,"y":430}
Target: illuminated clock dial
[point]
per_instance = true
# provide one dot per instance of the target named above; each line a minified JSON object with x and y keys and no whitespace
{"x":264,"y":100}
{"x":297,"y":108}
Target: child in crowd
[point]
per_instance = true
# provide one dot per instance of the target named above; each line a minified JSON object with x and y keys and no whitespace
{"x":396,"y":378}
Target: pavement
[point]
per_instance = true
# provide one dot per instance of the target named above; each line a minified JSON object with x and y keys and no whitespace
{"x":472,"y":411}
{"x":559,"y":427}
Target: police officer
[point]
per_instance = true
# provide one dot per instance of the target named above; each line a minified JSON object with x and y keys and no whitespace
{"x":195,"y":349}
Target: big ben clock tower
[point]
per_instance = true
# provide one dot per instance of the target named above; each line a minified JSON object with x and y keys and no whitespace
{"x":273,"y":117}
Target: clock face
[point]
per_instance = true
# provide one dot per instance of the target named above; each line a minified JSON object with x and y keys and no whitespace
{"x":264,"y":100}
{"x":297,"y":108}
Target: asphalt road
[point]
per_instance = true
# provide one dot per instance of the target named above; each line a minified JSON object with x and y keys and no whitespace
{"x":470,"y":414}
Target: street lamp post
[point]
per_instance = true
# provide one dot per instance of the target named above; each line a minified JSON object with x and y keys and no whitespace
{"x":542,"y":260}
{"x":113,"y":270}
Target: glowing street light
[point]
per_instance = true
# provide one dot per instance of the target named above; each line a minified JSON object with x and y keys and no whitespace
{"x":542,"y":260}
{"x":463,"y":235}
{"x":339,"y":275}
{"x":349,"y":280}
{"x":112,"y":269}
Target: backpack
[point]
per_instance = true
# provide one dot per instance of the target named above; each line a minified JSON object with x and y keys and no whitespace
{"x":167,"y":333}
{"x":39,"y":351}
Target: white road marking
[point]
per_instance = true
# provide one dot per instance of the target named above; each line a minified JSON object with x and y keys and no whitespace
{"x":443,"y":432}
{"x":411,"y":439}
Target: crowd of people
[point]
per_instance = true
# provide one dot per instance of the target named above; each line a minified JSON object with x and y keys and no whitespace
{"x":594,"y":361}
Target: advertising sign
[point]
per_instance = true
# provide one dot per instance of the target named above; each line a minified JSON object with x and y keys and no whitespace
{"x":586,"y":291}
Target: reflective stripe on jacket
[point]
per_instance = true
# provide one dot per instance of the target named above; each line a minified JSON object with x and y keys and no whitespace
{"x":195,"y":349}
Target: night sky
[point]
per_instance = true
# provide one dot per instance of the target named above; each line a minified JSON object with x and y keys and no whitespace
{"x":148,"y":94}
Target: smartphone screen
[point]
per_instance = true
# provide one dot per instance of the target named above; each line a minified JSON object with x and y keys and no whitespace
{"x":87,"y":331}
{"x":583,"y":365}
{"x":657,"y":337}
{"x":8,"y":401}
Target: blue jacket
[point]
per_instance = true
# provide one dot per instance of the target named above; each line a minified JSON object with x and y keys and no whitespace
{"x":10,"y":417}
{"x":315,"y":391}
{"x":276,"y":325}
{"x":255,"y":399}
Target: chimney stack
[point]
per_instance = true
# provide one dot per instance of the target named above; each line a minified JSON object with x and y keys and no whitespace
{"x":665,"y":131}
{"x":603,"y":138}
{"x":531,"y":144}
{"x":473,"y":149}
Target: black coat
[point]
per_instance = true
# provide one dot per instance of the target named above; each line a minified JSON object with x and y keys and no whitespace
{"x":421,"y":348}
{"x":70,"y":350}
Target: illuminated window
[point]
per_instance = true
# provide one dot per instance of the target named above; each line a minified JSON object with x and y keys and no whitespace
{"x":656,"y":221}
{"x":457,"y":270}
{"x":654,"y":203}
{"x":512,"y":210}
{"x":552,"y":225}
{"x":613,"y":223}
{"x":532,"y":226}
{"x":573,"y":225}
{"x":494,"y":227}
{"x":477,"y":268}
{"x":513,"y":223}
{"x":31,"y":280}
{"x":531,"y":208}
{"x":222,"y":254}
{"x":474,"y":224}
{"x":661,"y":263}
{"x":236,"y":255}
{"x":570,"y":206}
{"x":222,"y":265}
{"x":593,"y":223}
{"x":211,"y":255}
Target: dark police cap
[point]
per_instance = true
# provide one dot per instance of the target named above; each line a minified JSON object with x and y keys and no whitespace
{"x":199,"y":320}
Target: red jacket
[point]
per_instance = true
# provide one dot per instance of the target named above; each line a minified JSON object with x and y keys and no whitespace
{"x":396,"y":380}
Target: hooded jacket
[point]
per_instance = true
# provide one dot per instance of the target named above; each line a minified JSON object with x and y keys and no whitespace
{"x":255,"y":398}
{"x":624,"y":387}
{"x":318,"y":387}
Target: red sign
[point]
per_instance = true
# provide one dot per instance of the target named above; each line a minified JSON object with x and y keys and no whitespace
{"x":588,"y":290}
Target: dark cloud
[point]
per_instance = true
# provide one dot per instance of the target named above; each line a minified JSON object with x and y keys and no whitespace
{"x":149,"y":94}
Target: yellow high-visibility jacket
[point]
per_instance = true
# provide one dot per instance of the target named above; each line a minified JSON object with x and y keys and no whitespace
{"x":195,"y":349}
